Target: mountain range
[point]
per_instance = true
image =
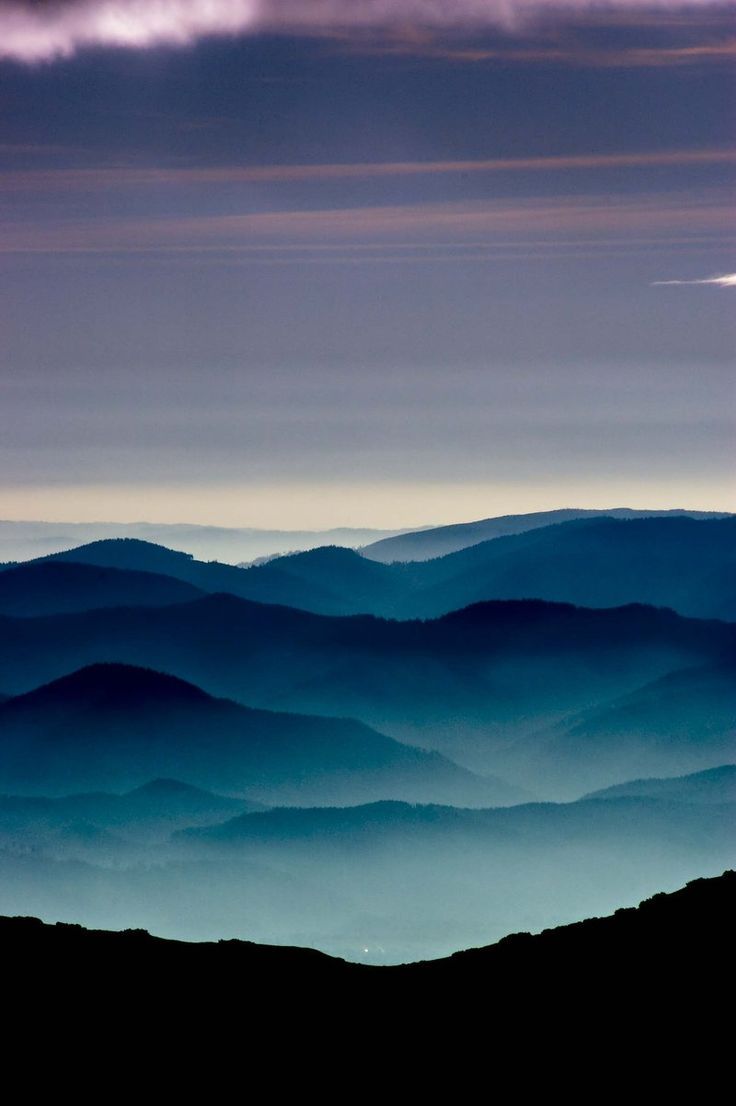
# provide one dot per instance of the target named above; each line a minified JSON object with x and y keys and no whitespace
{"x":476,"y":685}
{"x":117,"y":726}
{"x":330,"y":750}
{"x":679,"y":562}
{"x":686,"y":564}
{"x":24,"y":541}
{"x":437,"y":541}
{"x":471,"y":873}
{"x":682,"y":714}
{"x":380,"y":883}
{"x":147,"y":814}
{"x":715,"y":785}
{"x":57,"y":587}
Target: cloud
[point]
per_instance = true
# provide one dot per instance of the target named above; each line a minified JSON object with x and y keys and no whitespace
{"x":42,"y":30}
{"x":105,"y":179}
{"x":58,"y":28}
{"x":577,"y":221}
{"x":632,"y":57}
{"x":727,"y":280}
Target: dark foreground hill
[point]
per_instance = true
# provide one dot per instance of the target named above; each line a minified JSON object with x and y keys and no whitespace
{"x":117,"y":726}
{"x":623,"y":991}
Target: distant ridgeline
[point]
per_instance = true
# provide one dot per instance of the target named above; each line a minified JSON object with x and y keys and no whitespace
{"x":674,"y":561}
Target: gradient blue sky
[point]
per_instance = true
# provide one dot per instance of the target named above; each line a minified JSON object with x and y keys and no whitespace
{"x":354,"y":263}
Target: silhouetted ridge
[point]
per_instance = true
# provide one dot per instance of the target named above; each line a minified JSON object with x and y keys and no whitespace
{"x":314,"y":822}
{"x":111,"y":685}
{"x":438,"y":541}
{"x":681,"y":563}
{"x":224,"y":601}
{"x":132,"y":553}
{"x":165,"y":788}
{"x":478,"y":685}
{"x":545,"y":625}
{"x":532,"y":610}
{"x":51,"y":587}
{"x":346,"y":566}
{"x":635,"y":999}
{"x":114,"y":726}
{"x":145,"y":816}
{"x":25,"y":541}
{"x":677,"y":562}
{"x":658,"y":926}
{"x":712,"y":785}
{"x":689,"y":713}
{"x":333,"y":556}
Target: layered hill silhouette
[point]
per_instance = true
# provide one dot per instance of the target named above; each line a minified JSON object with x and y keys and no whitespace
{"x":471,"y":684}
{"x":437,"y":541}
{"x":25,"y":541}
{"x":149,"y":813}
{"x":470,"y":872}
{"x":116,"y":726}
{"x":56,"y":587}
{"x":679,"y":562}
{"x":381,"y":883}
{"x":682,"y":563}
{"x":687,"y":713}
{"x":132,"y":555}
{"x":715,"y":785}
{"x":153,"y":670}
{"x":611,"y":815}
{"x":322,"y":581}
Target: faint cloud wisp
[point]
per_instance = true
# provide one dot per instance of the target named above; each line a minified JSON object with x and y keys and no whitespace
{"x":727,"y":280}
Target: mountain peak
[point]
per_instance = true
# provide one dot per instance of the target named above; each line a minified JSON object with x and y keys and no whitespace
{"x":132,"y":553}
{"x":324,"y":554}
{"x":114,"y":685}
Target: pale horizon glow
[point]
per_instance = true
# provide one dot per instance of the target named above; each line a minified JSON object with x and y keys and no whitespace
{"x":322,"y":506}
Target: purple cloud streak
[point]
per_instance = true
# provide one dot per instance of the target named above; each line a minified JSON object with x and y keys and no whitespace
{"x":42,"y":31}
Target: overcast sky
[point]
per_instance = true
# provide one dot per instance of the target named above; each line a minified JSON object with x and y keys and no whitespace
{"x":322,"y":263}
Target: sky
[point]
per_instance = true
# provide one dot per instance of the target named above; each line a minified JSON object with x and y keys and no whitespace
{"x":364,"y":262}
